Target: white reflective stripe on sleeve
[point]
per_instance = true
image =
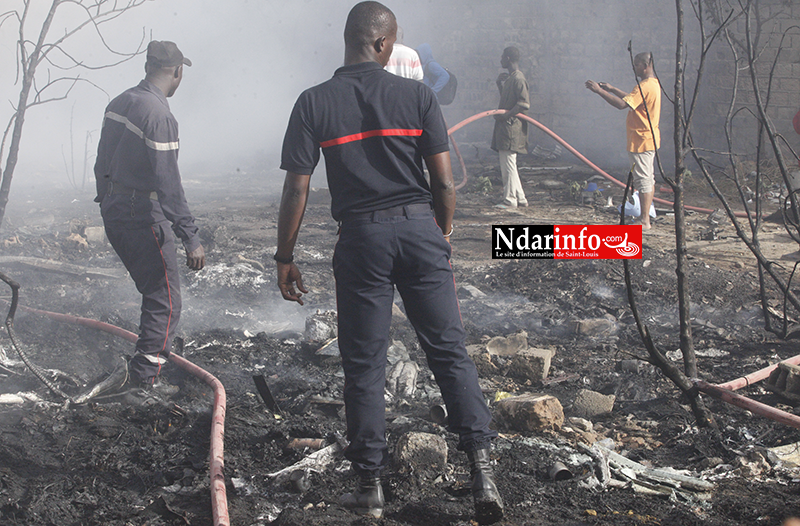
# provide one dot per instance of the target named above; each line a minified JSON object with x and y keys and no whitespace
{"x":160,"y":146}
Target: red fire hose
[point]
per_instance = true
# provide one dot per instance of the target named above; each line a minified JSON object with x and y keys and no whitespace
{"x":757,"y":376}
{"x":219,"y":502}
{"x":725,"y":393}
{"x":746,"y":403}
{"x":572,"y":150}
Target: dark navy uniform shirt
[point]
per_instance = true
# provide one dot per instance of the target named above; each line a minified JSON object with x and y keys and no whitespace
{"x":374,"y":128}
{"x":138,"y":150}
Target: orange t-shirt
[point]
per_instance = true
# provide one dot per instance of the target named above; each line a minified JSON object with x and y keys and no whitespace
{"x":640,"y":138}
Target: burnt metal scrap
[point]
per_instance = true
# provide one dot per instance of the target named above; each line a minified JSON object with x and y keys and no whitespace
{"x":266,"y":394}
{"x":36,"y":370}
{"x":113,"y":381}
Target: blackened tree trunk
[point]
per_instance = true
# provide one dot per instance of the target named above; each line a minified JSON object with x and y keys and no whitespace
{"x":28,"y":65}
{"x":687,"y":342}
{"x":32,"y":54}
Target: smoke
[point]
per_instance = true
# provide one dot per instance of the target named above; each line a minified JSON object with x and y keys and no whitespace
{"x":251,"y":59}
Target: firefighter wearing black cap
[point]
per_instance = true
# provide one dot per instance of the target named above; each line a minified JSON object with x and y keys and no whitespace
{"x":375,"y":129}
{"x":140,"y":194}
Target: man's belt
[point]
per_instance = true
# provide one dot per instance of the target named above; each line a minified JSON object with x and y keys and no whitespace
{"x":118,"y":189}
{"x":397,"y":211}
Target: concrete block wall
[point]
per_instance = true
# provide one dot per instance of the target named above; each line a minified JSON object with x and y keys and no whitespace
{"x":779,"y":38}
{"x":565,"y":43}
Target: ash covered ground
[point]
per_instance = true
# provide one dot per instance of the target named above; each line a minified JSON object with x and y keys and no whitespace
{"x":114,"y":464}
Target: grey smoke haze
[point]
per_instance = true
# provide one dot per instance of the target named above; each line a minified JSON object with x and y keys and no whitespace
{"x":251,"y":59}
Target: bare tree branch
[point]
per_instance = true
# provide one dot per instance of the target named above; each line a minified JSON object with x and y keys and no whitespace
{"x":706,"y":43}
{"x":30,"y":54}
{"x":707,"y":150}
{"x":750,"y":44}
{"x":5,"y":133}
{"x":7,"y":16}
{"x":79,"y":64}
{"x":100,"y":17}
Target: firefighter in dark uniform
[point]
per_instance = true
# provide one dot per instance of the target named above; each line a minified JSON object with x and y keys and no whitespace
{"x":140,"y":194}
{"x":375,"y":129}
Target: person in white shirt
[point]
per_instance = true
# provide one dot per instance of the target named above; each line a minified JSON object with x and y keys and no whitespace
{"x":404,"y":61}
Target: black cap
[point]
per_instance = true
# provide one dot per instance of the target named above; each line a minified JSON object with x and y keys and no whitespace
{"x":165,"y":54}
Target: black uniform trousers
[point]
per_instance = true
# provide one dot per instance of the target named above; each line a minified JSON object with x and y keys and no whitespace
{"x":149,"y":255}
{"x":404,"y":248}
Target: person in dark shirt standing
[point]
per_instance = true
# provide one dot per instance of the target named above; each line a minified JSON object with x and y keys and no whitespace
{"x":140,"y":194}
{"x":375,"y":130}
{"x":510,"y":135}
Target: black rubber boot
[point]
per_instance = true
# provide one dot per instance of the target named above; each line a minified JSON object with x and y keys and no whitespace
{"x":367,"y":499}
{"x":488,"y":504}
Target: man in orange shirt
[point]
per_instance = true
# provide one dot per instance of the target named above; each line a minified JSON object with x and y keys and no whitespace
{"x":644,"y":105}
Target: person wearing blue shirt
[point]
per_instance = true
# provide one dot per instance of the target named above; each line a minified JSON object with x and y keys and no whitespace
{"x":436,"y":76}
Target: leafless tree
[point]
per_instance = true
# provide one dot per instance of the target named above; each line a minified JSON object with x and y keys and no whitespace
{"x":46,"y":70}
{"x":750,"y":48}
{"x":715,"y":21}
{"x":683,"y":114}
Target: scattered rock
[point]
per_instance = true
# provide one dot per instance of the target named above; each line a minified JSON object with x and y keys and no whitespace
{"x":397,"y":352}
{"x":530,"y":412}
{"x":589,"y":404}
{"x":578,"y":435}
{"x":508,"y":346}
{"x":321,"y":326}
{"x":421,"y":453}
{"x":330,"y":348}
{"x":476,"y":349}
{"x":634,"y":442}
{"x":788,"y":454}
{"x":581,"y":423}
{"x":12,"y":241}
{"x":95,"y":235}
{"x":483,"y":360}
{"x":402,"y":379}
{"x":596,"y":327}
{"x":532,"y":364}
{"x":78,"y":241}
{"x":550,"y":184}
{"x":471,"y":291}
{"x":635,"y":367}
{"x":752,"y":467}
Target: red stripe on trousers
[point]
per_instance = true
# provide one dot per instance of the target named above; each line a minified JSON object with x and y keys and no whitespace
{"x":169,"y":295}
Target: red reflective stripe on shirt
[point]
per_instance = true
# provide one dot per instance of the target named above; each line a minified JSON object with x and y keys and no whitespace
{"x":371,"y":133}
